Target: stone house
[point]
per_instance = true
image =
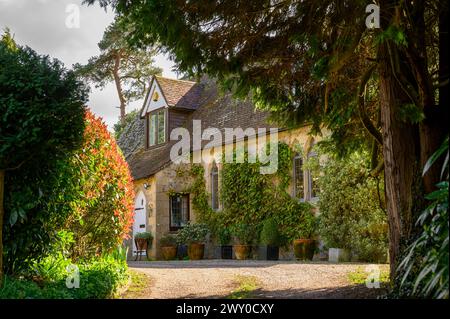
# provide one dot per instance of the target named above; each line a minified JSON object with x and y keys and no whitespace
{"x":162,"y":205}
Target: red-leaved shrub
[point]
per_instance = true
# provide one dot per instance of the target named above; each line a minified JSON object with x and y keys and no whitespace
{"x":103,"y":206}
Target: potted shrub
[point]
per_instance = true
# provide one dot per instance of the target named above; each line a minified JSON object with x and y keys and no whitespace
{"x":194,"y":235}
{"x":143,"y":240}
{"x":168,"y":247}
{"x":270,"y":236}
{"x":245,"y":235}
{"x":305,"y":245}
{"x":224,"y":238}
{"x":182,"y":248}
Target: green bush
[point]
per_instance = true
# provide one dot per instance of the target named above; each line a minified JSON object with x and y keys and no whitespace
{"x":100,"y":277}
{"x":223,"y":236}
{"x":270,"y":234}
{"x":245,"y":234}
{"x":144,"y":235}
{"x":168,"y":240}
{"x":42,"y":106}
{"x":350,"y":214}
{"x":192,"y":233}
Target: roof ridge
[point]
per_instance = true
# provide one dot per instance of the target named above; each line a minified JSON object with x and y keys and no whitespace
{"x":171,"y":79}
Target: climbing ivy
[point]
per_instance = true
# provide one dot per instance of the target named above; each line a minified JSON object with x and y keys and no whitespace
{"x":204,"y":212}
{"x":249,"y":197}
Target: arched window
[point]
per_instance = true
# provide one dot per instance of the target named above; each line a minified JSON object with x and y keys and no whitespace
{"x":313,"y":186}
{"x":214,"y":186}
{"x":299,"y":185}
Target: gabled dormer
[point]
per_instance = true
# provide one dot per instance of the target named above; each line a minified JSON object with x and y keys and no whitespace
{"x":166,"y":106}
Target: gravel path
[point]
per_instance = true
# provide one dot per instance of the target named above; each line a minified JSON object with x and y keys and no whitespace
{"x":279,"y":279}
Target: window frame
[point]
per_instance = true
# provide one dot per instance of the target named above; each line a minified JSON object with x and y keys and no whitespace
{"x":175,"y":228}
{"x":147,"y":125}
{"x":311,"y":198}
{"x":303,"y":198}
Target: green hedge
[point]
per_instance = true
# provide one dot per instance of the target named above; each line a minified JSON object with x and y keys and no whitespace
{"x":99,"y":278}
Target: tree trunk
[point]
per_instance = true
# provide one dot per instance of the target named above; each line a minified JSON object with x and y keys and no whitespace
{"x":400,"y":161}
{"x":406,"y":146}
{"x":119,"y":86}
{"x":2,"y":214}
{"x":401,"y":147}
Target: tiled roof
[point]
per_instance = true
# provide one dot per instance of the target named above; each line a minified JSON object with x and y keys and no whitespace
{"x":178,"y":93}
{"x":213,"y":108}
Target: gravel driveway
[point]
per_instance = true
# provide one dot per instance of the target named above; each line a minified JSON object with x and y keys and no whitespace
{"x":276,"y":279}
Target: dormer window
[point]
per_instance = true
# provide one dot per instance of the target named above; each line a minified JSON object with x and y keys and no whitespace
{"x":156,"y":127}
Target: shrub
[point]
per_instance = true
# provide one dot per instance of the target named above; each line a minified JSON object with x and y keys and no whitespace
{"x":245,"y":234}
{"x":192,"y":233}
{"x":102,"y":210}
{"x":350,"y":212}
{"x":168,"y":240}
{"x":42,"y":106}
{"x":144,"y":235}
{"x":297,"y":221}
{"x":147,"y":236}
{"x":223,"y":235}
{"x":270,"y":234}
{"x":99,"y":278}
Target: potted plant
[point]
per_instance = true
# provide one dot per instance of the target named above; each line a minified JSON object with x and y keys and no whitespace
{"x":194,"y":235}
{"x":143,"y":240}
{"x":270,"y":236}
{"x":168,"y":247}
{"x":224,"y":238}
{"x":305,"y":245}
{"x":182,"y":248}
{"x":245,"y":235}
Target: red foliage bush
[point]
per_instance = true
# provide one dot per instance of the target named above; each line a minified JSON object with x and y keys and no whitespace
{"x":103,"y":208}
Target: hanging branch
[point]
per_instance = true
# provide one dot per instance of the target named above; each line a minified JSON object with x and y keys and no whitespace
{"x":367,"y":123}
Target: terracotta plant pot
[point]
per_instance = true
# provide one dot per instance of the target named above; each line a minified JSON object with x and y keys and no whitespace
{"x":196,"y":251}
{"x":304,"y":249}
{"x":169,"y":252}
{"x":141,"y":243}
{"x":242,"y":251}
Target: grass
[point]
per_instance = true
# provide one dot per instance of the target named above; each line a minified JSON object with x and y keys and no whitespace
{"x":359,"y":276}
{"x":138,"y":285}
{"x":246,"y":286}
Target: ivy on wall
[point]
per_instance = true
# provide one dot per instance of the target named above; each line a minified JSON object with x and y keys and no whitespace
{"x":249,"y":197}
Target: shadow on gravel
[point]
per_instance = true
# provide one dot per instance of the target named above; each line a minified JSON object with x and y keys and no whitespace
{"x":220,"y":263}
{"x":346,"y":292}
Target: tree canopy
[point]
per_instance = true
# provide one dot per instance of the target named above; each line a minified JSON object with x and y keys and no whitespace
{"x":130,"y":67}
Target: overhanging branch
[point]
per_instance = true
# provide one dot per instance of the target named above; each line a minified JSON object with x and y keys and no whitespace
{"x":367,"y":123}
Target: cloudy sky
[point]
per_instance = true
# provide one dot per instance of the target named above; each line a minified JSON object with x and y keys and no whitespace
{"x":48,"y":26}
